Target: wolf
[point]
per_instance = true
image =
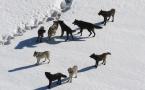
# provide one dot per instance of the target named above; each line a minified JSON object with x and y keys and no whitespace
{"x":101,"y":57}
{"x":86,"y":25}
{"x":40,"y":32}
{"x":52,"y":77}
{"x":65,"y":28}
{"x":40,"y":55}
{"x":52,"y":29}
{"x":107,"y":15}
{"x":72,"y":71}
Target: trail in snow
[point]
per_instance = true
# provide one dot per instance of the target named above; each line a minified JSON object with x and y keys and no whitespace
{"x":36,"y":19}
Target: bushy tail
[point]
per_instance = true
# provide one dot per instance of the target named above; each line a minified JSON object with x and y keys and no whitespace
{"x":98,"y":27}
{"x":74,"y":31}
{"x":62,"y":75}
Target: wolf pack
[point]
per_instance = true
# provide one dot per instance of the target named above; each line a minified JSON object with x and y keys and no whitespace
{"x":73,"y":70}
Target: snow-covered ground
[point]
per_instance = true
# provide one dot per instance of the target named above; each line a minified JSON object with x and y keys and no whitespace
{"x":124,"y":38}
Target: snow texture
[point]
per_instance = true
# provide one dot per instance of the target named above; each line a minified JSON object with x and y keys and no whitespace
{"x":36,"y":20}
{"x":124,"y":38}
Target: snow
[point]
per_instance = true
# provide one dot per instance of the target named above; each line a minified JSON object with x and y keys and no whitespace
{"x":124,"y":38}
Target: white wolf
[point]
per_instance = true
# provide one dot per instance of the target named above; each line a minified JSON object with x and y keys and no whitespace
{"x":72,"y":71}
{"x":40,"y":55}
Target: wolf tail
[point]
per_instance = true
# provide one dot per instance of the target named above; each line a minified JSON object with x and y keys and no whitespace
{"x":98,"y":27}
{"x":62,"y":75}
{"x":74,"y":31}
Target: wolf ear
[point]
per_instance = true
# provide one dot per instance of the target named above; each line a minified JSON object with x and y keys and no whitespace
{"x":48,"y":72}
{"x":61,"y":21}
{"x":109,"y":53}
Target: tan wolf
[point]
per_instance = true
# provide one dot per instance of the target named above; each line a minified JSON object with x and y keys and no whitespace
{"x":72,"y":71}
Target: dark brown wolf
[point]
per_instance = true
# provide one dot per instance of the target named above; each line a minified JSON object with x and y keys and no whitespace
{"x":101,"y":57}
{"x":107,"y":15}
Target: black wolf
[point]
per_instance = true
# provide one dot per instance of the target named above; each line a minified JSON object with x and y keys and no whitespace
{"x":40,"y":32}
{"x":107,"y":15}
{"x":86,"y":25}
{"x":52,"y":77}
{"x":65,"y":28}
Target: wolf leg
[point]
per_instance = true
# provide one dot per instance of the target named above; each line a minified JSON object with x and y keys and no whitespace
{"x":38,"y":60}
{"x":96,"y":65}
{"x":94,"y":32}
{"x":49,"y":61}
{"x":49,"y":37}
{"x":113,"y":18}
{"x":75,"y":74}
{"x":104,"y":62}
{"x":108,"y":18}
{"x":67,"y":36}
{"x":70,"y":79}
{"x":90,"y":33}
{"x":105,"y":20}
{"x":59,"y":81}
{"x":62,"y":32}
{"x":81,"y":30}
{"x":72,"y":36}
{"x":49,"y":86}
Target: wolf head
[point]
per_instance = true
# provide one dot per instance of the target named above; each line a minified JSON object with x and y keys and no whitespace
{"x":35,"y":54}
{"x":47,"y":74}
{"x":75,"y":21}
{"x":60,"y":21}
{"x":108,"y":53}
{"x":42,"y":28}
{"x":55,"y":22}
{"x":100,"y":12}
{"x":92,"y":55}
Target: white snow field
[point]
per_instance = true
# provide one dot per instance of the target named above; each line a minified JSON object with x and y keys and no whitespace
{"x":124,"y":38}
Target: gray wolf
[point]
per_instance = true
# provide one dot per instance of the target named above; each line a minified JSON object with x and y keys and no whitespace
{"x":72,"y":71}
{"x":41,"y":55}
{"x":52,"y":29}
